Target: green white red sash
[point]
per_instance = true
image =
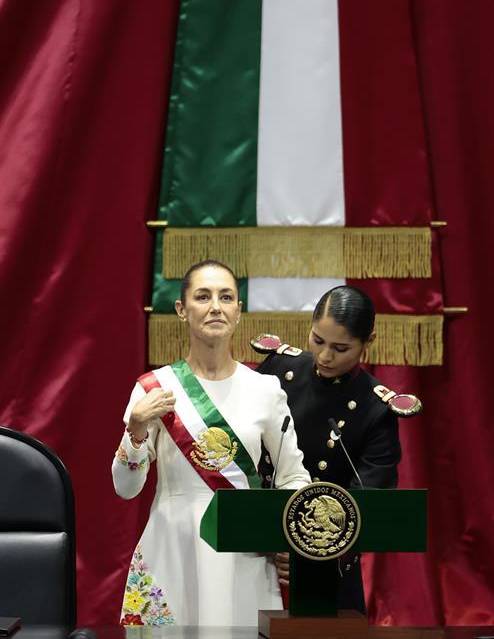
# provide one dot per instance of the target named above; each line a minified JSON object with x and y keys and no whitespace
{"x":201,"y":432}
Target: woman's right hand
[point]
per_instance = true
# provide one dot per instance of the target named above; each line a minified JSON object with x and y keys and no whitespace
{"x":156,"y":403}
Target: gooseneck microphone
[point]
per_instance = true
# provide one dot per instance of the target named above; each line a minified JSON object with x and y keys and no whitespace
{"x":284,"y":428}
{"x":335,"y":435}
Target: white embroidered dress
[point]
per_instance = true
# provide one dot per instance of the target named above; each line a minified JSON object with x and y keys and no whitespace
{"x":175,"y":576}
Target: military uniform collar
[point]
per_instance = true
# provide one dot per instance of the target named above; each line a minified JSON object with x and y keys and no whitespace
{"x":336,"y":381}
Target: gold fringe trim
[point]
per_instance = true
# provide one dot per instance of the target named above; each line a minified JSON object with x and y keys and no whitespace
{"x":414,"y":340}
{"x":302,"y":251}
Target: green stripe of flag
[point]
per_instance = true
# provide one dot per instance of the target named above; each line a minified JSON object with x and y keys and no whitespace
{"x":210,"y":177}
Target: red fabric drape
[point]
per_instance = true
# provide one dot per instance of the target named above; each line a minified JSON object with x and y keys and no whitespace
{"x":447,"y":449}
{"x":385,"y":150}
{"x":83,"y":101}
{"x":82,"y":110}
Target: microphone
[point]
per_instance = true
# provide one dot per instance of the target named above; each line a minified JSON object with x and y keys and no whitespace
{"x":284,"y":428}
{"x":335,"y":435}
{"x":82,"y":633}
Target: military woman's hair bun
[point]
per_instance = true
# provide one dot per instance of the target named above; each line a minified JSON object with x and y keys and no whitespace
{"x":350,"y":307}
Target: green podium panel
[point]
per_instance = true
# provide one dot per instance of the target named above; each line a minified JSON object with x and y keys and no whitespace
{"x":251,"y":520}
{"x":246,"y":521}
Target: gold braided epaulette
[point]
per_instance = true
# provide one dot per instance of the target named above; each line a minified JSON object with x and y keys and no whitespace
{"x":266,"y":343}
{"x":402,"y":404}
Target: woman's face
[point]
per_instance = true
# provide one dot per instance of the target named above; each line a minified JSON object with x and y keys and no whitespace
{"x":211,"y":308}
{"x":335,"y":351}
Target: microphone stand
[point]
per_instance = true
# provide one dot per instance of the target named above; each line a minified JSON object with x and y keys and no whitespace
{"x":284,"y":428}
{"x":336,"y":437}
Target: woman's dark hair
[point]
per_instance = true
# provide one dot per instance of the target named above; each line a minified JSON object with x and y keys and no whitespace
{"x":197,"y":267}
{"x":349,"y":307}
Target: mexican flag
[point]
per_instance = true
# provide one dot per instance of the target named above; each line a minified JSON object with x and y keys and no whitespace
{"x":295,"y":153}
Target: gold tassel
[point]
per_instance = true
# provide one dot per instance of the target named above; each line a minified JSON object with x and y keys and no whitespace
{"x":302,"y":251}
{"x":413,"y":340}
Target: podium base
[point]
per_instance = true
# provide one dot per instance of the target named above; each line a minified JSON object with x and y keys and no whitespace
{"x":278,"y":624}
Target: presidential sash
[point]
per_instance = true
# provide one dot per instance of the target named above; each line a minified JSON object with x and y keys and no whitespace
{"x":201,"y":432}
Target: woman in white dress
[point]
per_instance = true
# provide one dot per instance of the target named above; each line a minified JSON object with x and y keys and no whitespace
{"x":201,"y":420}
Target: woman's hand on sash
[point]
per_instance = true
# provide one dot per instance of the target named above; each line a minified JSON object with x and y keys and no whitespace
{"x":154,"y":404}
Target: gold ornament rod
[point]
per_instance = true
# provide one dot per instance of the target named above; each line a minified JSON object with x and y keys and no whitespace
{"x":455,"y":310}
{"x":435,"y":224}
{"x":448,"y":310}
{"x":156,"y":224}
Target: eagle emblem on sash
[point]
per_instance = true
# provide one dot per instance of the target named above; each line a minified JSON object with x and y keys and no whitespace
{"x":214,"y":449}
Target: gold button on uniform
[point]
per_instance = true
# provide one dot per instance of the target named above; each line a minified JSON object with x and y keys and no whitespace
{"x":316,"y":479}
{"x":322,"y":465}
{"x":330,"y":443}
{"x":289,"y":376}
{"x":341,"y":423}
{"x":352,"y":404}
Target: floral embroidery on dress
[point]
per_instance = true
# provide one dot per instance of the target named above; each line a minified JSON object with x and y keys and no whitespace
{"x":123,"y":458}
{"x":144,"y":601}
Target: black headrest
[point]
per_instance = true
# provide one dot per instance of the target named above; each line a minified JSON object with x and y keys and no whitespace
{"x":35,"y":487}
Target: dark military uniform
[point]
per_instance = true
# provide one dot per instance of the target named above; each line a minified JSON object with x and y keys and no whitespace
{"x":369,"y":430}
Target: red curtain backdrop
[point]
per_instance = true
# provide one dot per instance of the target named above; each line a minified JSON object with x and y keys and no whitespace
{"x":386,"y":161}
{"x":83,"y":98}
{"x":449,"y":448}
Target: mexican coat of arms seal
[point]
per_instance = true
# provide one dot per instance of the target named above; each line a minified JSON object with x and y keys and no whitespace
{"x":321,"y":521}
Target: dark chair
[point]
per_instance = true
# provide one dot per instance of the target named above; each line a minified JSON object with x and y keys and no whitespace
{"x":37,"y":534}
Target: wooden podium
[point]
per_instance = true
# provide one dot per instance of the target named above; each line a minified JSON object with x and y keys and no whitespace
{"x":392,"y":521}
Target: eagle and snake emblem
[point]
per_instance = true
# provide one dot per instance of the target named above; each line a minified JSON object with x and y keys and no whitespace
{"x":214,"y":449}
{"x":321,"y":521}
